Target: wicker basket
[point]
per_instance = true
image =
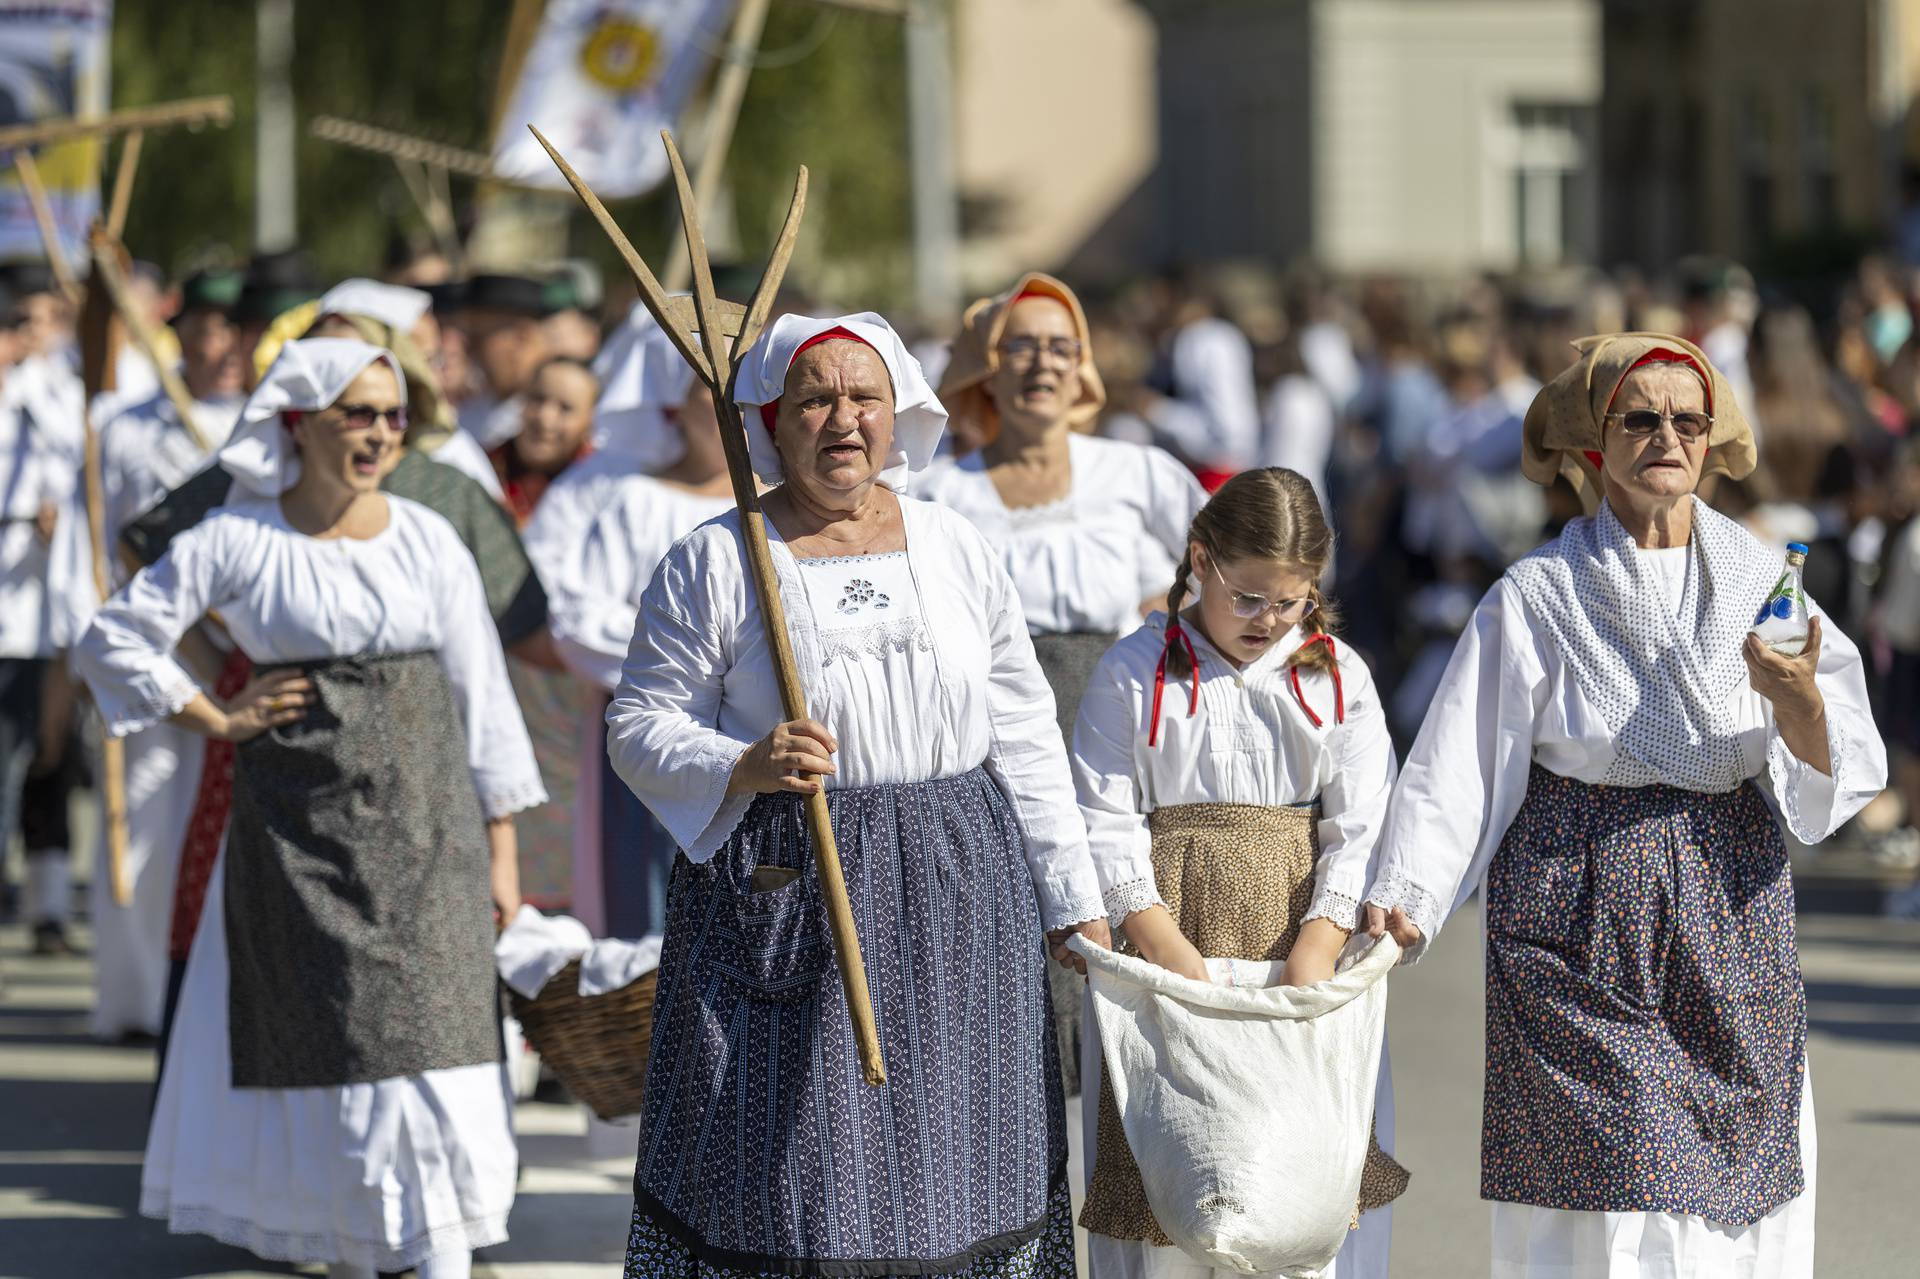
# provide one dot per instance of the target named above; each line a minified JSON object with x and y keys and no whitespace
{"x":597,"y":1044}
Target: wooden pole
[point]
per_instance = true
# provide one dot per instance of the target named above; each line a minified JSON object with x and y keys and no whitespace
{"x":720,"y":369}
{"x":99,"y":345}
{"x":123,"y":183}
{"x":189,"y":113}
{"x":43,"y":218}
{"x":723,"y":113}
{"x":112,"y":277}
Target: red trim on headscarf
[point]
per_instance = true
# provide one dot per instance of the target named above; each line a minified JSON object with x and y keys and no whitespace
{"x":1339,"y":691}
{"x":1212,"y":477}
{"x":1662,"y":355}
{"x":771,"y":409}
{"x":292,"y":417}
{"x":1592,"y":456}
{"x":1174,"y":632}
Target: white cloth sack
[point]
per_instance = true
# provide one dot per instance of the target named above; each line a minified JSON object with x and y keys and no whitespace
{"x":534,"y":947}
{"x":1220,"y":1087}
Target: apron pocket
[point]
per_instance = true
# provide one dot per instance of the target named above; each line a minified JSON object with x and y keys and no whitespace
{"x":781,"y":945}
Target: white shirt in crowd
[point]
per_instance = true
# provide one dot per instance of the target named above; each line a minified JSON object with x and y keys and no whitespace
{"x":287,"y":597}
{"x":595,"y":580}
{"x":40,"y":460}
{"x":910,"y":698}
{"x":1085,"y":562}
{"x":1298,"y":431}
{"x":144,"y":454}
{"x":1212,"y":365}
{"x":1250,"y":742}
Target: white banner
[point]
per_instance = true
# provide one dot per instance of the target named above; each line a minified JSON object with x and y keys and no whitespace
{"x":53,"y":64}
{"x":602,"y":78}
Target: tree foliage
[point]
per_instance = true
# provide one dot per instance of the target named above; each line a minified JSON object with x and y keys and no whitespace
{"x":828,"y":91}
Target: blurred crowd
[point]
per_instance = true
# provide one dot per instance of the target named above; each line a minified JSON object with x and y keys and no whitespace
{"x":1401,"y":401}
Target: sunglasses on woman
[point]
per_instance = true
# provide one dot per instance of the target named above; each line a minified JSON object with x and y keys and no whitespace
{"x":1246,"y":606}
{"x":1644,"y":422}
{"x":362,"y":416}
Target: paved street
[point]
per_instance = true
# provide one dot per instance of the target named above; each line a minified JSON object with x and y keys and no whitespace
{"x":72,"y":1119}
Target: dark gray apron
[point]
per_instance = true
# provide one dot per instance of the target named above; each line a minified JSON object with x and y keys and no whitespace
{"x":359,"y":918}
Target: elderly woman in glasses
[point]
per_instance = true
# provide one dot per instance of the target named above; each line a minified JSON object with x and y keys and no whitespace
{"x":333,"y":1092}
{"x":1609,"y":754}
{"x":1089,"y":529}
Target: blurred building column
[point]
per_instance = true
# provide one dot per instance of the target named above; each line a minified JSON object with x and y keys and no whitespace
{"x":275,"y":209}
{"x":936,"y":197}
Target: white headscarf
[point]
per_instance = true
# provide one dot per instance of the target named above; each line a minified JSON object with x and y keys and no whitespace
{"x":394,"y":305}
{"x":642,"y":379}
{"x":310,"y":374}
{"x":918,"y":418}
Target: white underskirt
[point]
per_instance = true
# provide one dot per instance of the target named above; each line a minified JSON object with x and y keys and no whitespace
{"x":130,"y":942}
{"x":382,"y":1174}
{"x":1363,"y":1256}
{"x":1551,"y":1243}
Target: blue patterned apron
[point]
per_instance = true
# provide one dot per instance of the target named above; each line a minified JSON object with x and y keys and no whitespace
{"x":761,"y":1148}
{"x":1646,"y":1022}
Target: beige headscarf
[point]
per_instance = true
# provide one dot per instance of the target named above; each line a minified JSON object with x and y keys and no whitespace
{"x":1562,"y":434}
{"x":976,"y":358}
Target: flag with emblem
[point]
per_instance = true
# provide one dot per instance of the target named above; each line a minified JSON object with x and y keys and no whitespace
{"x":602,"y":78}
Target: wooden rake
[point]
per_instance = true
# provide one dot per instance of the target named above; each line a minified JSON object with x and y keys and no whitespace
{"x":719,"y":369}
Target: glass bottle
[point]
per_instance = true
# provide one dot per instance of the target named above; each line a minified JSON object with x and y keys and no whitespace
{"x":1781,"y":623}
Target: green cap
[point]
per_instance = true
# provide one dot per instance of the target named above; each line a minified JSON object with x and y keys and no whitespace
{"x":212,"y":291}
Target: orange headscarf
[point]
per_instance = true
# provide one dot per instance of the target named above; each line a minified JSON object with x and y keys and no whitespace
{"x":976,"y":358}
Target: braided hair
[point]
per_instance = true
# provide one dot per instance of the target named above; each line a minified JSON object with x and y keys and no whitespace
{"x":1269,"y":513}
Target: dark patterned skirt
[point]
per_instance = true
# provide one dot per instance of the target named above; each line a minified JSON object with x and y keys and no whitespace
{"x":761,"y":1149}
{"x":1646,"y":1023}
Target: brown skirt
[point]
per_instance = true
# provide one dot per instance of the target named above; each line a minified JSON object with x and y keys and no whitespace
{"x":1237,"y":878}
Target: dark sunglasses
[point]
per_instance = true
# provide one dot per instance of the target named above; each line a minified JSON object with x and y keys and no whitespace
{"x":1645,"y":422}
{"x":362,"y":416}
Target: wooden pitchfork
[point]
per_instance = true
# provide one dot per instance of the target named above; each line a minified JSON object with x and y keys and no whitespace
{"x":714,"y":365}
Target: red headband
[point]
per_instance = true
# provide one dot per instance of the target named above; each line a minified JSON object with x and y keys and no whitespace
{"x":1659,"y":355}
{"x":771,"y":409}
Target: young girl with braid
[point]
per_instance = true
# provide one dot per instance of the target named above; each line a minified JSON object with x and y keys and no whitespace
{"x":1233,"y":765}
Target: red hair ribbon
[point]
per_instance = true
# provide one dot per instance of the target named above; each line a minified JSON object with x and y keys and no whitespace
{"x":1174,"y":632}
{"x":771,"y":409}
{"x":1339,"y":691}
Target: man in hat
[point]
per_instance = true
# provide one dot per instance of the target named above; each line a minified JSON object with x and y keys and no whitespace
{"x":274,"y":283}
{"x":145,"y":452}
{"x":501,"y":317}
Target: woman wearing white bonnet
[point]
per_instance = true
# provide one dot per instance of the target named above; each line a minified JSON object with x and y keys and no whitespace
{"x":656,"y":473}
{"x":333,"y":1092}
{"x":934,"y":738}
{"x":1611,"y":755}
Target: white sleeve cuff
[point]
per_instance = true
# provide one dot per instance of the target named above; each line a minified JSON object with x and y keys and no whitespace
{"x":1805,"y":794}
{"x":1341,"y":908}
{"x":1422,"y":907}
{"x":154,"y":696}
{"x":719,"y":759}
{"x":1124,"y":899}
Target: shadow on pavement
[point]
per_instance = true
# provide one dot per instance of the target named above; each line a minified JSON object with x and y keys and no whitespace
{"x":1865,"y":1011}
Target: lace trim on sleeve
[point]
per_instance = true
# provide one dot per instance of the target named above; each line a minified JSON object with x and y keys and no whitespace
{"x":516,"y":796}
{"x":1340,"y":908}
{"x":1123,"y":899}
{"x":1791,"y":774}
{"x":156,"y":697}
{"x":1425,"y":910}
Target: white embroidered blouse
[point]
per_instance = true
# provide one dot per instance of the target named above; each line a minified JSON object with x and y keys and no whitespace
{"x":1083,"y":563}
{"x":287,"y":597}
{"x":939,"y":681}
{"x":1251,"y":741}
{"x":1511,"y":699}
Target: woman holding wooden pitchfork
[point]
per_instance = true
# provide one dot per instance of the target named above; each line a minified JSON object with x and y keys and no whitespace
{"x":933,"y":735}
